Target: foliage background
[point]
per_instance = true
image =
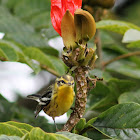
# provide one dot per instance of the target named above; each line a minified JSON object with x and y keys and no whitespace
{"x":28,"y":30}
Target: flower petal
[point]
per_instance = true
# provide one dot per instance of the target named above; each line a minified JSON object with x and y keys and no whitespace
{"x":56,"y":15}
{"x":71,"y":5}
{"x":58,"y":9}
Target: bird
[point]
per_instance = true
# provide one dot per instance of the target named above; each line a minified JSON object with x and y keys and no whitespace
{"x":57,"y":99}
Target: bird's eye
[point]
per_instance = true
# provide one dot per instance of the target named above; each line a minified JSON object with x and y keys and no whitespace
{"x":61,"y":81}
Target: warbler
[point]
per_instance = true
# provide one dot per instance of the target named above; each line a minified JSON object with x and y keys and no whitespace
{"x":57,"y":99}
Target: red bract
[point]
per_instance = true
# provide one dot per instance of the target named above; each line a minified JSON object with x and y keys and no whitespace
{"x":58,"y":9}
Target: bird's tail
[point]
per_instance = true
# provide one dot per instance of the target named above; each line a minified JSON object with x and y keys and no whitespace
{"x":35,"y":97}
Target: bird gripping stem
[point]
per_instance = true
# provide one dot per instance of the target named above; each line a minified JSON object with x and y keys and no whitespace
{"x":80,"y":60}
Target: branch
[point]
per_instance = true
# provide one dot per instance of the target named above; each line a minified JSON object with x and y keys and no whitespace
{"x":42,"y":66}
{"x":49,"y":70}
{"x":81,"y":99}
{"x":120,"y":57}
{"x":3,"y":59}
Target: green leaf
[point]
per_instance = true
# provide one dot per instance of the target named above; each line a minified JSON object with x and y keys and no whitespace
{"x":72,"y":136}
{"x":58,"y":64}
{"x":106,"y":95}
{"x":28,"y":8}
{"x":4,"y":137}
{"x":25,"y":137}
{"x":3,"y":56}
{"x":11,"y":44}
{"x":11,"y":24}
{"x":49,"y":50}
{"x":90,"y":122}
{"x":8,"y":52}
{"x":15,"y":49}
{"x":111,"y":45}
{"x":120,"y":86}
{"x":50,"y":32}
{"x":80,"y":125}
{"x":61,"y":137}
{"x":38,"y":134}
{"x":126,"y":69}
{"x":131,"y":35}
{"x":98,"y":96}
{"x":92,"y":132}
{"x":11,"y":3}
{"x":20,"y":125}
{"x":120,"y":121}
{"x":10,"y":130}
{"x":4,"y":11}
{"x":41,"y":20}
{"x":51,"y":62}
{"x":97,"y":72}
{"x":28,"y":39}
{"x":25,"y":59}
{"x":116,"y":26}
{"x":133,"y":96}
{"x":38,"y":55}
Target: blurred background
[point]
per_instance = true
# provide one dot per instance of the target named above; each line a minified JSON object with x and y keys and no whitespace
{"x":26,"y":23}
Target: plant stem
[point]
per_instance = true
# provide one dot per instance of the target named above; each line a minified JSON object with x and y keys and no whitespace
{"x":81,"y":98}
{"x":120,"y":57}
{"x":86,"y":129}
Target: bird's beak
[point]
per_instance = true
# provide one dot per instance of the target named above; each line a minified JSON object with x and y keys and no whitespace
{"x":69,"y":84}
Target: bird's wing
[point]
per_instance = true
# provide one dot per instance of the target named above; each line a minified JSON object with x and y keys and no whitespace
{"x":43,"y":100}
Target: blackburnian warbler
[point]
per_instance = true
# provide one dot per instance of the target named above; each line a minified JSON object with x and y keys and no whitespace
{"x":57,"y":99}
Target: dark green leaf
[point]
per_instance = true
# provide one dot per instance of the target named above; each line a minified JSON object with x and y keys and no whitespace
{"x":120,"y":121}
{"x":29,"y":8}
{"x":133,"y":96}
{"x":104,"y":96}
{"x":120,"y":86}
